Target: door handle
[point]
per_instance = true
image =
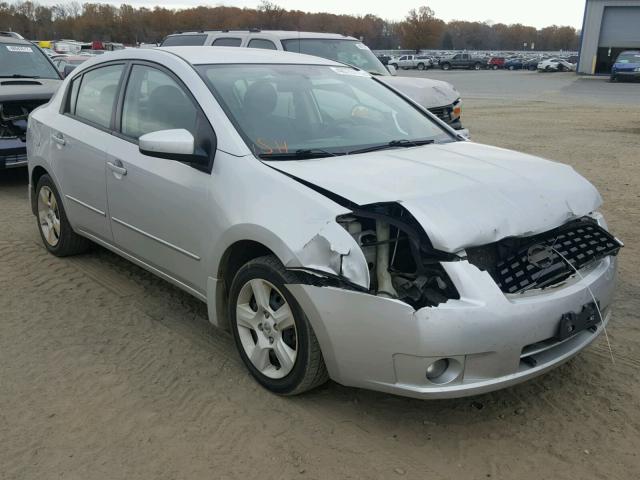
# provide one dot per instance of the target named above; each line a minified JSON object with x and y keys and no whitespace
{"x":58,"y":138}
{"x":119,"y":169}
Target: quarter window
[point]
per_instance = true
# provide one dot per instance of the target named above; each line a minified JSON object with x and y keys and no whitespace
{"x":262,"y":43}
{"x":227,"y":42}
{"x":97,"y":94}
{"x":184,"y":40}
{"x":154,"y":101}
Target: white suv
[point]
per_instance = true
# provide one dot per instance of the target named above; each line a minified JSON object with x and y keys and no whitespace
{"x":440,"y":98}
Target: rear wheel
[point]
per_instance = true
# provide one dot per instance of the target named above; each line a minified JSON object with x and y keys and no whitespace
{"x":445,"y":66}
{"x":56,"y":232}
{"x":272,"y":333}
{"x":477,"y":66}
{"x":511,"y":67}
{"x":421,"y":66}
{"x":495,"y":67}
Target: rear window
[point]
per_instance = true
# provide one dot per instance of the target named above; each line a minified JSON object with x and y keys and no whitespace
{"x":184,"y":40}
{"x":227,"y":42}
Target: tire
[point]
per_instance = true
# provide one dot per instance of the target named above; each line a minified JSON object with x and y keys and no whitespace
{"x":512,"y":68}
{"x":494,"y":67}
{"x":477,"y":66}
{"x":56,"y":232}
{"x":421,"y":66}
{"x":445,"y":66}
{"x":613,"y":79}
{"x":258,"y":329}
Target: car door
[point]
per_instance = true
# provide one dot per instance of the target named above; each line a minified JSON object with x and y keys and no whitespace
{"x":160,"y":208}
{"x":79,"y":141}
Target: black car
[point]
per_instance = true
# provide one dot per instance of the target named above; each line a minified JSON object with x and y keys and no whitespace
{"x":28,"y":79}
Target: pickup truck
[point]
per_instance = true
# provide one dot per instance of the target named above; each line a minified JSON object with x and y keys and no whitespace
{"x":406,"y":62}
{"x":462,"y":60}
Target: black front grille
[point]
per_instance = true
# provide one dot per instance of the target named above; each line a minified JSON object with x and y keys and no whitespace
{"x":444,"y":113}
{"x":535,"y":263}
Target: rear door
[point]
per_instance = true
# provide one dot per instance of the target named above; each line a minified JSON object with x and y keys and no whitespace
{"x":79,"y":142}
{"x":160,"y":209}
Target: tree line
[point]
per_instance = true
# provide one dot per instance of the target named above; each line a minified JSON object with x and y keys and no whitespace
{"x":420,"y":29}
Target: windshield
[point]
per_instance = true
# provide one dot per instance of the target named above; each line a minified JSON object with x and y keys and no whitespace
{"x":283,"y":109}
{"x":21,"y":60}
{"x":629,"y":57}
{"x":351,"y":52}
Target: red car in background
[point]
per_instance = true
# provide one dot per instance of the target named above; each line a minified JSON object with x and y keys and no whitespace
{"x":496,"y":62}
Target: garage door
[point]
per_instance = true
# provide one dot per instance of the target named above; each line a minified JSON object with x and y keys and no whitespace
{"x":620,"y":27}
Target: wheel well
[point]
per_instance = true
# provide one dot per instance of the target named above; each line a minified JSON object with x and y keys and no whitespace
{"x":35,"y":178}
{"x":232,"y":260}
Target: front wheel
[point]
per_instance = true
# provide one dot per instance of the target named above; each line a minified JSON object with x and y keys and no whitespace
{"x":421,"y":66}
{"x":477,"y":66}
{"x":272,"y":333}
{"x":512,"y":68}
{"x":56,"y":232}
{"x":445,"y":66}
{"x":613,"y":79}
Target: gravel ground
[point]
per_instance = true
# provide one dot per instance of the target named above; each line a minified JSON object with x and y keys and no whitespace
{"x":107,"y":372}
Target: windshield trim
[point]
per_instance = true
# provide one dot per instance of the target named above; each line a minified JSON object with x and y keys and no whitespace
{"x":200,"y":70}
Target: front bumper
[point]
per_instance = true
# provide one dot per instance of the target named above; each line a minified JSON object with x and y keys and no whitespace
{"x":626,"y":74}
{"x":497,"y":340}
{"x":13,"y":153}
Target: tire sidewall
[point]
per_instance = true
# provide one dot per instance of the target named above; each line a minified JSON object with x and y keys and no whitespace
{"x":288,"y":383}
{"x":46,"y":181}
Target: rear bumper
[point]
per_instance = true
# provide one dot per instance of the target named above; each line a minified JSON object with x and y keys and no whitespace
{"x":496,"y":340}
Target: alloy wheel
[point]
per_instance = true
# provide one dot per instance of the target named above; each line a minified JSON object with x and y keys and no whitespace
{"x":49,"y":216}
{"x":266,"y":328}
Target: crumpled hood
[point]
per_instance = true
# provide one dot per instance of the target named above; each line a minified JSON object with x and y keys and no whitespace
{"x":463,"y":194}
{"x":428,"y":93}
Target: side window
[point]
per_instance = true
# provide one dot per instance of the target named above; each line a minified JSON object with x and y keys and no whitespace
{"x":73,"y":96}
{"x":154,"y":101}
{"x":262,"y":43}
{"x":227,"y":42}
{"x":97,"y":94}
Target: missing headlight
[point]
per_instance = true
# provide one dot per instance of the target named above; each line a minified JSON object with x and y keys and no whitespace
{"x":401,"y":260}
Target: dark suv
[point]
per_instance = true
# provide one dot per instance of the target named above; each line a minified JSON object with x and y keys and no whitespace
{"x":28,"y":79}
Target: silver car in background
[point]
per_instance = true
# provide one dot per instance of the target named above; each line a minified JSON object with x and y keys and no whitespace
{"x":338,"y":229}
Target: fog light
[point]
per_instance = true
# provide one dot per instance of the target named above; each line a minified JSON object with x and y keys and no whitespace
{"x":437,"y":368}
{"x":444,"y":370}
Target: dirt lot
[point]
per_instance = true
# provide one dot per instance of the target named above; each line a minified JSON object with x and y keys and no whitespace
{"x":107,"y":372}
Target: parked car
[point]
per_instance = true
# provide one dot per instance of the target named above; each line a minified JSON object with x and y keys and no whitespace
{"x":495,"y":63}
{"x":514,"y":64}
{"x":337,"y":229}
{"x":27,"y":80}
{"x":384,"y":59}
{"x":626,"y":66}
{"x":407,"y":62}
{"x":441,"y":98}
{"x":462,"y":60}
{"x":66,"y":63}
{"x":555,"y":65}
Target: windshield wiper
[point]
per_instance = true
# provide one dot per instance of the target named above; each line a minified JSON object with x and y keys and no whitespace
{"x":393,"y":144}
{"x":17,"y":75}
{"x":299,"y":154}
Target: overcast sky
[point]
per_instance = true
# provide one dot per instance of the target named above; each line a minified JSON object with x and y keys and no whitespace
{"x":538,"y":13}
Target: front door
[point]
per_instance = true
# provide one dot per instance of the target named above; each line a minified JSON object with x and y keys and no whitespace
{"x":159,"y":208}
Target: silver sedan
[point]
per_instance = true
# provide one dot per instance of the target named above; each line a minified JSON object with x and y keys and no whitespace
{"x":337,"y":228}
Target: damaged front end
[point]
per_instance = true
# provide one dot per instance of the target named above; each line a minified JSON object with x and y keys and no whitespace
{"x":399,"y":260}
{"x":13,"y":132}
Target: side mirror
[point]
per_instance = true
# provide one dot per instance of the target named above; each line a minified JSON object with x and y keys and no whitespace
{"x":392,"y":70}
{"x":177,"y":144}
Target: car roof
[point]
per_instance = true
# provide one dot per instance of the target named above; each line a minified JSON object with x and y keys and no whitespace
{"x":281,"y":34}
{"x":14,"y":40}
{"x":235,"y":55}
